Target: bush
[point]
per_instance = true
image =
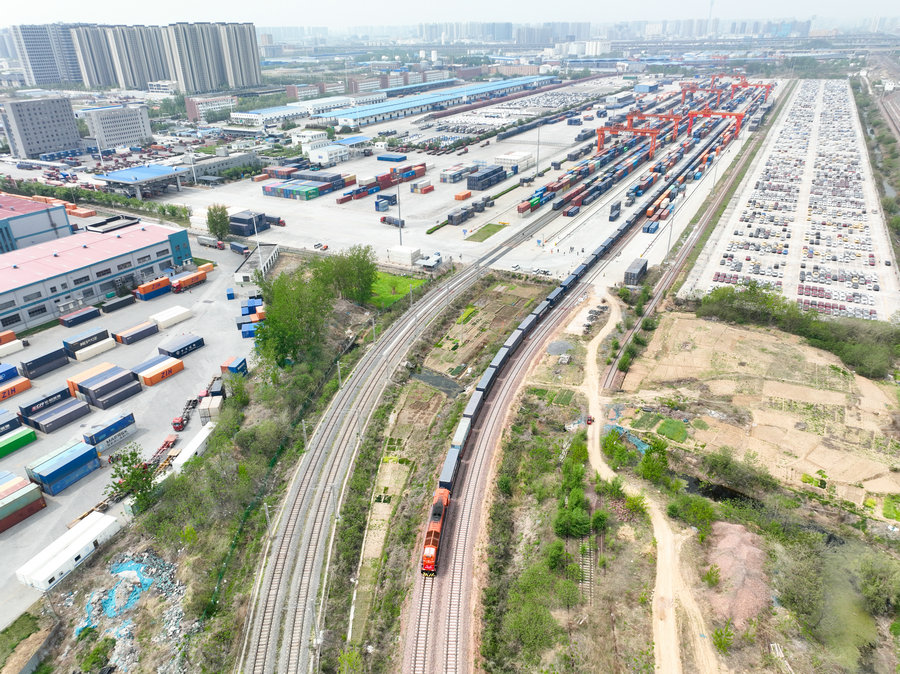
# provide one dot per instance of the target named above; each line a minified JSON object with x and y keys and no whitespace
{"x":636,"y":504}
{"x":556,"y":556}
{"x":712,"y":576}
{"x":600,"y":521}
{"x":745,"y":475}
{"x":879,"y":583}
{"x":723,"y":637}
{"x":694,"y":510}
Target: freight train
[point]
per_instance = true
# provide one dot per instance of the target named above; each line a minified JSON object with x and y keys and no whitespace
{"x":717,"y":135}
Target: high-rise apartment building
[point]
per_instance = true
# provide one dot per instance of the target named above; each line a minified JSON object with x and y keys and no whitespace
{"x":40,"y":125}
{"x":199,"y":56}
{"x":47,"y":53}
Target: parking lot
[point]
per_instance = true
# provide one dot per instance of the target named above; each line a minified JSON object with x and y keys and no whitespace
{"x":807,"y":221}
{"x":153,"y":408}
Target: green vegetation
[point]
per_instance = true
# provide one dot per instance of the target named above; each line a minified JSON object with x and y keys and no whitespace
{"x":97,"y":657}
{"x":712,"y":576}
{"x":699,"y":424}
{"x":22,"y":628}
{"x":723,"y":637}
{"x":673,"y":429}
{"x":744,"y":476}
{"x":77,"y":195}
{"x":467,"y":314}
{"x":390,"y":288}
{"x":131,"y":476}
{"x":891,"y":508}
{"x":432,"y":230}
{"x":647,"y":421}
{"x":486,"y":231}
{"x":869,"y":347}
{"x":218,"y":222}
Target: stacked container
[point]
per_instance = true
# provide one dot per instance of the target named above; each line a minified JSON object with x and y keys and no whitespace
{"x":136,"y":333}
{"x":157,"y":372}
{"x":63,"y":467}
{"x":109,"y":387}
{"x":19,"y":499}
{"x":73,"y":345}
{"x":10,"y":421}
{"x":78,"y":317}
{"x":233,"y":365}
{"x":9,"y":344}
{"x":14,"y":440}
{"x":486,"y":177}
{"x":13,"y":387}
{"x":110,"y":432}
{"x":53,"y":411}
{"x":153,"y":289}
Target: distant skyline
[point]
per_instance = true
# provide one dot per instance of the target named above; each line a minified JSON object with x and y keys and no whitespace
{"x":406,"y":12}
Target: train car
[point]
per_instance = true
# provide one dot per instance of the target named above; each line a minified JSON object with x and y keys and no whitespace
{"x":512,"y":342}
{"x":570,"y":281}
{"x":447,"y":478}
{"x":553,"y":297}
{"x":462,"y":434}
{"x":439,"y":508}
{"x":542,"y":308}
{"x":500,"y":358}
{"x":473,"y":407}
{"x":527,"y":324}
{"x":487,"y":380}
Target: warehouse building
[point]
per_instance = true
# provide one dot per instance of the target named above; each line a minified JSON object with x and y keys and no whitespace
{"x":199,"y":106}
{"x":43,"y":281}
{"x":438,"y":100}
{"x":24,"y":222}
{"x":41,"y":125}
{"x":329,"y":155}
{"x":118,"y":125}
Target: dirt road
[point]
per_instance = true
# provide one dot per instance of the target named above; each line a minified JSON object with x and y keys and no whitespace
{"x":670,"y":589}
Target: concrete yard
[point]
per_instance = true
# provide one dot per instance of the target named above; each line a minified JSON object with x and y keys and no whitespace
{"x":153,"y":408}
{"x":807,"y":220}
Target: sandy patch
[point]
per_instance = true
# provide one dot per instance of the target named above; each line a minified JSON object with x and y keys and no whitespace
{"x":743,"y":591}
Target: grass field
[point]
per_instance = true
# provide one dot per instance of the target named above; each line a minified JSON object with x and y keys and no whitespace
{"x":389,"y":288}
{"x":673,"y":429}
{"x":24,"y":626}
{"x":487,"y":231}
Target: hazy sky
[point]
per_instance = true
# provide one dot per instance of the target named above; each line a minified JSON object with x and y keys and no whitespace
{"x":397,"y":12}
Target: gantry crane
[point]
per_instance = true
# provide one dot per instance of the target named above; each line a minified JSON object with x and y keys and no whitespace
{"x":693,"y":88}
{"x":744,"y":84}
{"x":669,"y":117}
{"x":613,"y":129}
{"x":706,"y":112}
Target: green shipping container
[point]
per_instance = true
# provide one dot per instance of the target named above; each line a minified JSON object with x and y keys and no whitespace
{"x":16,"y":440}
{"x":15,"y":501}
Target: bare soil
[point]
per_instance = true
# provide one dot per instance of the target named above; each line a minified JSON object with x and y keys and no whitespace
{"x":743,"y":590}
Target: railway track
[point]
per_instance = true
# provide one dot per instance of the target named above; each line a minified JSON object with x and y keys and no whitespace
{"x":588,"y":565}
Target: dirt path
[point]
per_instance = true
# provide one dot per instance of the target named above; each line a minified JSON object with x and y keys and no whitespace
{"x":669,"y":583}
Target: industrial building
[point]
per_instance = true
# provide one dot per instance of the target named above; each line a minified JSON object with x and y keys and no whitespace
{"x":198,"y":56}
{"x":43,"y":281}
{"x":316,"y":106}
{"x":141,"y":181}
{"x":438,"y":100}
{"x":329,"y":155}
{"x":118,"y":125}
{"x":24,"y":222}
{"x":41,"y":125}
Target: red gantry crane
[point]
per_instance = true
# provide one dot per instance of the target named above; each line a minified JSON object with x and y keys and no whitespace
{"x":614,"y":129}
{"x":669,"y":117}
{"x":744,"y":84}
{"x":706,"y":112}
{"x":693,"y":88}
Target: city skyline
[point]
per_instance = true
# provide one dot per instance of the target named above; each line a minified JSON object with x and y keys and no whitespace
{"x":406,"y":13}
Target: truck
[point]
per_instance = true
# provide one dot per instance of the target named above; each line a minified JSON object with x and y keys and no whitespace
{"x":239,"y":248}
{"x":186,"y":282}
{"x":210,"y":242}
{"x":179,"y":422}
{"x":391,"y":220}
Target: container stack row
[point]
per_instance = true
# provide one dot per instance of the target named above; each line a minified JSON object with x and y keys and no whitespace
{"x":63,"y":467}
{"x":253,"y":313}
{"x":19,"y":499}
{"x":53,"y":410}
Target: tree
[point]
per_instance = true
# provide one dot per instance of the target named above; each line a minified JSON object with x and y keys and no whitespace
{"x":352,"y":273}
{"x":130,"y":475}
{"x":879,"y":583}
{"x":82,"y":127}
{"x":217,"y":221}
{"x":350,"y":662}
{"x":600,"y":521}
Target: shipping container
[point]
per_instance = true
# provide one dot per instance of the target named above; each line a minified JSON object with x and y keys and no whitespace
{"x":60,"y":415}
{"x":74,"y":344}
{"x":136,"y":333}
{"x":24,"y":511}
{"x":108,"y":427}
{"x":447,"y":477}
{"x":149,"y":363}
{"x":188,"y":281}
{"x":60,"y":461}
{"x":16,"y":440}
{"x":171,"y":316}
{"x":180,"y":347}
{"x":9,"y":421}
{"x":7,"y":336}
{"x":13,"y":387}
{"x":43,"y":364}
{"x":62,"y":483}
{"x":8,"y":372}
{"x":154,"y":285}
{"x":117,"y":303}
{"x":93,"y":350}
{"x":21,"y":496}
{"x":74,"y":318}
{"x":76,"y":379}
{"x":117,"y":396}
{"x":45,"y":401}
{"x":474,"y":405}
{"x":116,"y":439}
{"x":166,"y":369}
{"x":11,"y":347}
{"x":235,"y":365}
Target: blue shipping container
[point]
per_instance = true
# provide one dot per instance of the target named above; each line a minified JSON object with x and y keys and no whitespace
{"x":182,"y":346}
{"x":79,"y":317}
{"x":8,"y":372}
{"x":108,"y":428}
{"x":238,"y":366}
{"x":147,"y":364}
{"x":38,"y":404}
{"x":153,"y":293}
{"x":10,"y":422}
{"x":67,"y":480}
{"x":64,"y":462}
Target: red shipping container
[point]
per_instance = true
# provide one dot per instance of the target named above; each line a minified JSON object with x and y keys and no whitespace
{"x":427,"y":189}
{"x":524,"y":206}
{"x":344,"y":199}
{"x":22,"y":513}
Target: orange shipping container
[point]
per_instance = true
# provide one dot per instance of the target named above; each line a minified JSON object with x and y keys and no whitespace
{"x":155,"y":284}
{"x":260,"y":177}
{"x":75,"y":380}
{"x":462,"y":196}
{"x":261,"y":314}
{"x":164,"y":370}
{"x":7,"y":336}
{"x":254,"y":318}
{"x":206,"y":268}
{"x":224,"y":366}
{"x":10,"y":388}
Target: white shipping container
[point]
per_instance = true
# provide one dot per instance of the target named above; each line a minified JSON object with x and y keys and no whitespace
{"x":195,"y":447}
{"x":215,"y":406}
{"x":11,"y":347}
{"x":116,"y":438}
{"x":95,"y":349}
{"x":61,"y":556}
{"x":171,"y":316}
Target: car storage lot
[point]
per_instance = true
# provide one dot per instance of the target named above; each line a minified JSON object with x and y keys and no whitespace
{"x":153,"y":408}
{"x":807,"y":221}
